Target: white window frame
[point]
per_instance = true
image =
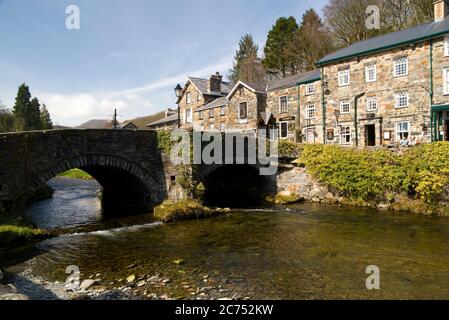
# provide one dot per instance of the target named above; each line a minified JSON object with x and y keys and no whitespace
{"x":310,"y":89}
{"x":280,"y":130}
{"x":368,"y":69}
{"x":446,"y":81}
{"x":243,"y":120}
{"x":369,"y":104}
{"x":345,"y":134}
{"x":344,"y":74}
{"x":446,"y":47}
{"x":343,"y":102}
{"x":306,"y":135}
{"x":188,"y":97}
{"x":399,"y":132}
{"x":280,"y":104}
{"x":198,"y":97}
{"x":396,"y":67}
{"x":211,"y":113}
{"x":188,"y":115}
{"x":222,"y":110}
{"x":310,"y":112}
{"x":222,"y":127}
{"x":399,"y":96}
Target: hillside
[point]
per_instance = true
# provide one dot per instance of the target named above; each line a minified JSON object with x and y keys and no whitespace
{"x":96,"y":124}
{"x":141,"y":122}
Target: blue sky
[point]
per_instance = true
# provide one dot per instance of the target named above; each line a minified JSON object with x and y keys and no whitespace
{"x":127,"y":55}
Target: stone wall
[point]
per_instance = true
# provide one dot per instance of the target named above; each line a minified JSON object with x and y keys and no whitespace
{"x":255,"y":103}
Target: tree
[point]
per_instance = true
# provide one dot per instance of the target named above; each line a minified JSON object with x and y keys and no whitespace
{"x":46,"y":123}
{"x":279,"y":58}
{"x":7,"y":123}
{"x":35,"y":115}
{"x":22,"y":108}
{"x":312,"y":41}
{"x":247,"y":64}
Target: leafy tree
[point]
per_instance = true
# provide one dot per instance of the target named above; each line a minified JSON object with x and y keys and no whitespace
{"x":22,"y":108}
{"x":312,"y":41}
{"x":247,"y":64}
{"x":46,"y":122}
{"x":279,"y":58}
{"x":7,"y":123}
{"x":35,"y":115}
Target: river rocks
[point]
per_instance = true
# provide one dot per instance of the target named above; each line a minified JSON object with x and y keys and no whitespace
{"x":141,"y":283}
{"x":179,"y":262}
{"x":131,"y":279}
{"x":13,"y":297}
{"x":284,"y":197}
{"x":1,"y":275}
{"x":187,"y":209}
{"x":154,"y":279}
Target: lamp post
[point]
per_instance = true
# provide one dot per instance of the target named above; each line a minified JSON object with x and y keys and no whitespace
{"x":178,"y":94}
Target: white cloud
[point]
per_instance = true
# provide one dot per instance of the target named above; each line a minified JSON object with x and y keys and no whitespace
{"x":74,"y":109}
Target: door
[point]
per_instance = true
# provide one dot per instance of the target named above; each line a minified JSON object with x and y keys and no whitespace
{"x":370,"y":135}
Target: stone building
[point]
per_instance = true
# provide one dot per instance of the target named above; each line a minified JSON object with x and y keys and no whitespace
{"x":390,"y":88}
{"x":197,"y":93}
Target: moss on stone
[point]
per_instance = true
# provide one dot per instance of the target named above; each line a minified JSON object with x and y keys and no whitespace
{"x":10,"y":234}
{"x":283,"y":199}
{"x":187,"y":209}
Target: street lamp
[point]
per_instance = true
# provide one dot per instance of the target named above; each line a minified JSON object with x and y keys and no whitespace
{"x":178,"y":93}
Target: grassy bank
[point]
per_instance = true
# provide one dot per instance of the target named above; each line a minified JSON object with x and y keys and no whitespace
{"x":15,"y":231}
{"x":76,"y":174}
{"x":416,"y":179}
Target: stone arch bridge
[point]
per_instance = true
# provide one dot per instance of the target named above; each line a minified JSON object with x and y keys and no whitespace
{"x":134,"y":173}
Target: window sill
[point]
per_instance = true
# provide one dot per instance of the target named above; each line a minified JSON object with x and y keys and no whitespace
{"x":243,"y":121}
{"x":396,"y":107}
{"x":400,"y":76}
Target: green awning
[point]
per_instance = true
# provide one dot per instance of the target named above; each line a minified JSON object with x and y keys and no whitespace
{"x":440,"y":108}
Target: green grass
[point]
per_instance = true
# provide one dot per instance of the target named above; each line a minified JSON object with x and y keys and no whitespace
{"x":76,"y":174}
{"x":15,"y":230}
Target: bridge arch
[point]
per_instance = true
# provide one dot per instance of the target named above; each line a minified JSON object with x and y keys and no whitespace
{"x":236,"y":185}
{"x":127,"y":187}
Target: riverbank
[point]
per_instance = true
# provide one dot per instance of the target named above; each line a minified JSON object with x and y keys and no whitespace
{"x":76,"y":174}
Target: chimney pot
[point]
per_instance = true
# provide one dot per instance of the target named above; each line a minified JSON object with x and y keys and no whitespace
{"x":215,"y":82}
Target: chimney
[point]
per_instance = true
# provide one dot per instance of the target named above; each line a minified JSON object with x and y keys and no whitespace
{"x":215,"y":82}
{"x":441,"y":10}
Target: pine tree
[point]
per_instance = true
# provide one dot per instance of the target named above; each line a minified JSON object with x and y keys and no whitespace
{"x":22,"y":108}
{"x":247,"y":64}
{"x":279,"y":58}
{"x":46,"y":123}
{"x":35,"y":115}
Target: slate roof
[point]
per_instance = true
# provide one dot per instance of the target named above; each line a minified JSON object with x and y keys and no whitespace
{"x":202,"y":86}
{"x":388,"y":41}
{"x":223,"y":101}
{"x":294,"y":80}
{"x":172,"y":118}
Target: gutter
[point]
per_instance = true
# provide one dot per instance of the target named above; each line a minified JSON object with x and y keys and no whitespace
{"x":323,"y":101}
{"x":356,"y":124}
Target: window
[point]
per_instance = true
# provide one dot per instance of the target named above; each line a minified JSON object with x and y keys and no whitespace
{"x":211,"y":113}
{"x":345,"y":135}
{"x":201,"y":115}
{"x":202,"y":127}
{"x":402,"y":130}
{"x":401,"y":67}
{"x":344,"y":78}
{"x":310,"y":111}
{"x":223,"y":110}
{"x":188,"y":118}
{"x":243,"y":110}
{"x":310,"y":89}
{"x":189,"y":97}
{"x":371,"y":73}
{"x":446,"y":46}
{"x":198,"y":98}
{"x":222,"y":127}
{"x":371,"y":104}
{"x":283,"y":130}
{"x":402,"y":100}
{"x":310,"y":135}
{"x":446,"y":81}
{"x":241,"y":91}
{"x":345,"y":106}
{"x":283,"y":104}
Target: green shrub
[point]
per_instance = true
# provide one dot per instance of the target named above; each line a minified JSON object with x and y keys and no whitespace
{"x":289,"y":149}
{"x":422,"y":171}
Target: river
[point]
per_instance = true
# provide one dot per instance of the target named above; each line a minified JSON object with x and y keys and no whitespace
{"x":304,"y":251}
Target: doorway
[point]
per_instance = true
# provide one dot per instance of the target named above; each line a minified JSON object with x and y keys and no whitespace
{"x":370,"y":135}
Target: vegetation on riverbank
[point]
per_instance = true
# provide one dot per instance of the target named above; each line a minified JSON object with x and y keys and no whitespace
{"x":76,"y":174}
{"x":15,"y":230}
{"x":187,"y":209}
{"x":283,"y":198}
{"x":415,"y":179}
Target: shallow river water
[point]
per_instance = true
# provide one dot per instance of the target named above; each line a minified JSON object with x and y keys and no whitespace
{"x":303,"y":251}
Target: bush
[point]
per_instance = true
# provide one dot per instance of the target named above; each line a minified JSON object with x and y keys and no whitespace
{"x":289,"y":149}
{"x":366,"y":175}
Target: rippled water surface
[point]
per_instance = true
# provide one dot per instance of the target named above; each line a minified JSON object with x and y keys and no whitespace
{"x":300,"y":252}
